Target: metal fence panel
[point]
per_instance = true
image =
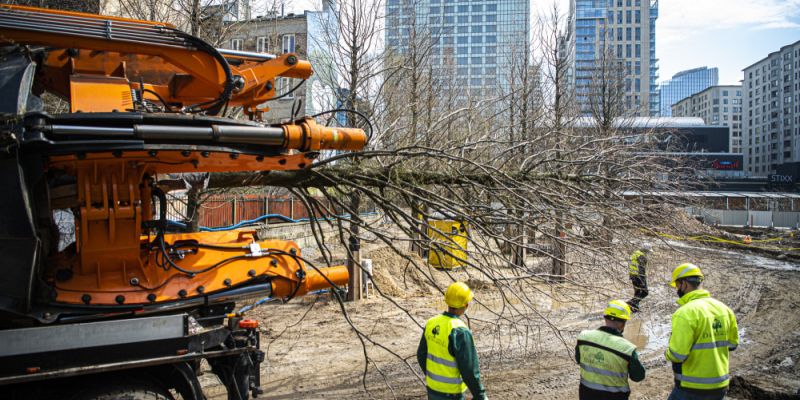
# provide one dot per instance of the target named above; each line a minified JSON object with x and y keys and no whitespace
{"x":711,"y":217}
{"x":222,"y":210}
{"x":734,"y":218}
{"x":786,"y":219}
{"x":761,"y":218}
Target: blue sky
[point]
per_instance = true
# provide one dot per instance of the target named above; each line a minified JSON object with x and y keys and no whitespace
{"x":727,"y":34}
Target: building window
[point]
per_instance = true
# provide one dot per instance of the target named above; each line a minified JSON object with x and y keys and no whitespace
{"x":287,"y":43}
{"x":261,"y":44}
{"x":236,"y":44}
{"x":284,"y":86}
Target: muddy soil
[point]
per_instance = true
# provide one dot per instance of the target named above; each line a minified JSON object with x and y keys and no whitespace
{"x":312,"y":352}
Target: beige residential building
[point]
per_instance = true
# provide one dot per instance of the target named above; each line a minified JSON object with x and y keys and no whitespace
{"x":615,"y":35}
{"x":717,"y":106}
{"x":772,"y":111}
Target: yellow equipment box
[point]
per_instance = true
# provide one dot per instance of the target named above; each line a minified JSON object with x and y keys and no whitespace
{"x":448,"y":248}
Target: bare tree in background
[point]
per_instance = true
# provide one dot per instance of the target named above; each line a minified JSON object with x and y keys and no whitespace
{"x":550,"y":179}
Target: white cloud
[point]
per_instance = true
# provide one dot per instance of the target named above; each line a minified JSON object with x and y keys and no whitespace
{"x":681,"y":19}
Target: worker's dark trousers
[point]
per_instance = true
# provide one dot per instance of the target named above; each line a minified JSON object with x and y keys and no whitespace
{"x":639,"y":291}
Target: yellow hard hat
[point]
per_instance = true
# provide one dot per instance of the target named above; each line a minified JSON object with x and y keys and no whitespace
{"x":457,"y":295}
{"x":618,"y":309}
{"x":684,"y":271}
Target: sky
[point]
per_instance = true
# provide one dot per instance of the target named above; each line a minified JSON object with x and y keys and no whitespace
{"x":727,"y":34}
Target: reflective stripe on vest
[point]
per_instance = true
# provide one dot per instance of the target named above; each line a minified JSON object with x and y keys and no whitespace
{"x":441,"y":370}
{"x":712,"y":345}
{"x":597,"y":386}
{"x":634,"y":267}
{"x":604,"y":371}
{"x":604,"y":360}
{"x":709,"y":335}
{"x":706,"y":381}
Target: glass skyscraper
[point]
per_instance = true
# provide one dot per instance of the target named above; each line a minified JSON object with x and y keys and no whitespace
{"x":684,"y":84}
{"x":475,"y":38}
{"x":622,"y":32}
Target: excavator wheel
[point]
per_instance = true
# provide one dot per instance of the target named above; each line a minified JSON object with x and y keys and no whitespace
{"x":133,"y":390}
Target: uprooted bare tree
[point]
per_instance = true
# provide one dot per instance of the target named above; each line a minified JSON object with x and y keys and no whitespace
{"x":515,"y":165}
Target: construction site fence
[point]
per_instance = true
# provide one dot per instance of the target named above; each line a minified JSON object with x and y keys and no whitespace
{"x":221,"y":210}
{"x":745,"y":218}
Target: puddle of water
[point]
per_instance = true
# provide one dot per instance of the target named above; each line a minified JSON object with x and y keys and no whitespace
{"x":749,"y":259}
{"x":635,"y":334}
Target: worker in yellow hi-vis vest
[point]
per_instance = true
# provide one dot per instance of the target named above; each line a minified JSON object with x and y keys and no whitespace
{"x":704,"y":331}
{"x":446,"y":352}
{"x":607,"y":359}
{"x":638,"y":274}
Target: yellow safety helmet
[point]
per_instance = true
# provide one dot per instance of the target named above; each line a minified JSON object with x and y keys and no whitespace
{"x":684,"y":271}
{"x":618,"y":309}
{"x":457,"y":295}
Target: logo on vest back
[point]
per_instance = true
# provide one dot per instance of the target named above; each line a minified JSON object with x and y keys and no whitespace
{"x":598,"y":356}
{"x":435,"y":331}
{"x":717,"y":326}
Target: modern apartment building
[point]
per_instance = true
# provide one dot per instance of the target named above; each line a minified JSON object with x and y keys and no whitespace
{"x":717,"y":106}
{"x":772,"y":111}
{"x":621,"y":33}
{"x":476,"y":38}
{"x":684,"y":84}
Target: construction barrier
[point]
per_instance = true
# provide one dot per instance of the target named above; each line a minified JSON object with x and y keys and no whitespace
{"x":448,"y":248}
{"x":752,"y":218}
{"x":746,"y":242}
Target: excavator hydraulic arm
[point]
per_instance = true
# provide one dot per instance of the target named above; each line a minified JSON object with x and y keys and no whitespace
{"x":142,"y":98}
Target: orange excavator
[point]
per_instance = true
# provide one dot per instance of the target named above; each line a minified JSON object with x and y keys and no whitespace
{"x":127,"y":297}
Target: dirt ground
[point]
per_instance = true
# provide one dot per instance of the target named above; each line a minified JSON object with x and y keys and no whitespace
{"x":312,"y":352}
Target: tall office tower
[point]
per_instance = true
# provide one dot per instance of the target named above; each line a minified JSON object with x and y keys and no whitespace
{"x":684,"y":84}
{"x":616,"y":37}
{"x":474,"y":38}
{"x":717,"y":106}
{"x":772,"y":111}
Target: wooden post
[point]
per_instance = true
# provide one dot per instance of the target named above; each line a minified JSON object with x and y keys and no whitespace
{"x":559,"y":251}
{"x":234,"y":211}
{"x":355,"y":289}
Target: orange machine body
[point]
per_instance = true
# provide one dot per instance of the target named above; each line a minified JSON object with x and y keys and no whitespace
{"x":117,"y":258}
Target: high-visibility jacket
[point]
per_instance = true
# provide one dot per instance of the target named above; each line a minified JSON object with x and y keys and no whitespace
{"x":604,"y":360}
{"x":704,"y":330}
{"x":441,"y":370}
{"x":633,"y":269}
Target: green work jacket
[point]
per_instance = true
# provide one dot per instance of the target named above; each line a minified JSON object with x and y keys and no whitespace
{"x":459,"y":361}
{"x":607,"y":360}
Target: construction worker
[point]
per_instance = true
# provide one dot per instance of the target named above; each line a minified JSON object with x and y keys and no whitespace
{"x":638,"y":274}
{"x":704,"y":330}
{"x":446,"y":352}
{"x":607,"y":359}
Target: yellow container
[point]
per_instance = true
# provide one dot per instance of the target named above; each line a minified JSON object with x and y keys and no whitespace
{"x":448,"y":247}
